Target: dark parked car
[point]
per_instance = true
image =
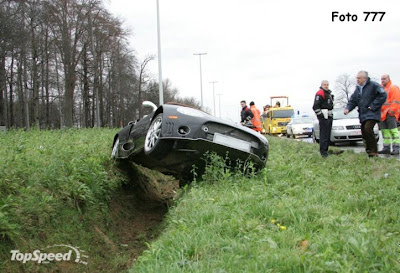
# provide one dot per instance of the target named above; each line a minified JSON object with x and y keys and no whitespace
{"x":175,"y":137}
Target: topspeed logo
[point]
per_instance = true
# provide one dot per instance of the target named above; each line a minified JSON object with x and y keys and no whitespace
{"x":47,"y":257}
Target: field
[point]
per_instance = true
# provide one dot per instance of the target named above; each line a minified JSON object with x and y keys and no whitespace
{"x":302,"y":213}
{"x":60,"y":187}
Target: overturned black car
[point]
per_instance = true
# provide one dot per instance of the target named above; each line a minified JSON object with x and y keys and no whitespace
{"x":175,"y":137}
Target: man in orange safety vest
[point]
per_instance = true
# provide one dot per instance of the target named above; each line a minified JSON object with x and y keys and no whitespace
{"x":256,"y":120}
{"x":390,"y":114}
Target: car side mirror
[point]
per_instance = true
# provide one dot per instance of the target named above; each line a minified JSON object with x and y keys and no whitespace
{"x":149,"y":104}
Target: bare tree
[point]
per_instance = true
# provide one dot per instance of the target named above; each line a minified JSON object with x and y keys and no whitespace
{"x":66,"y":62}
{"x":34,"y":17}
{"x":344,"y":87}
{"x":6,"y":45}
{"x":143,"y":78}
{"x":68,"y":25}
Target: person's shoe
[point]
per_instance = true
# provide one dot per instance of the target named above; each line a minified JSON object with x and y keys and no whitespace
{"x":385,"y":150}
{"x":396,"y":149}
{"x":338,"y":152}
{"x":373,"y":155}
{"x":324,"y":155}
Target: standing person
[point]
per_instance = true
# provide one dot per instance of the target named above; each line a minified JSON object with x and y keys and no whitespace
{"x":256,"y":120}
{"x":323,"y":105}
{"x":246,"y":114}
{"x":266,"y":109}
{"x":369,"y":96}
{"x":390,"y":115}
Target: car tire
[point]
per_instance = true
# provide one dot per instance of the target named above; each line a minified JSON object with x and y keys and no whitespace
{"x":155,"y":147}
{"x":287,"y":135}
{"x":115,"y":149}
{"x":293,"y":136}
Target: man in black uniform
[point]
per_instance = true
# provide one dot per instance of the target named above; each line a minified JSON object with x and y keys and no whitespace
{"x":246,"y":114}
{"x":323,"y":105}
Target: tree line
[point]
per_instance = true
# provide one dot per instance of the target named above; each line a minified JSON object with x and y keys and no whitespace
{"x":68,"y":63}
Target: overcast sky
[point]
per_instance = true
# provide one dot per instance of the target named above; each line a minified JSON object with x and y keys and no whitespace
{"x":257,"y":49}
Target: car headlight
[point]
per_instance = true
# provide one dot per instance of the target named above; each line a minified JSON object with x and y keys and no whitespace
{"x":337,"y":127}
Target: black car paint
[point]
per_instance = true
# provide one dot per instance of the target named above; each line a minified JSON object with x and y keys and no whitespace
{"x":188,"y":147}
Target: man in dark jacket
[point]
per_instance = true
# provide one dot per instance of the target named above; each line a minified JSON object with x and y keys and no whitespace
{"x":323,"y":105}
{"x":369,"y":96}
{"x":246,"y":114}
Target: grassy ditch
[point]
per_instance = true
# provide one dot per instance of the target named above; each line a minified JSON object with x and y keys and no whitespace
{"x":60,"y":187}
{"x":302,"y":213}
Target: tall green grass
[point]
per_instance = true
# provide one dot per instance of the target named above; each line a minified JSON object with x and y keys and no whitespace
{"x":54,"y":187}
{"x":302,"y":213}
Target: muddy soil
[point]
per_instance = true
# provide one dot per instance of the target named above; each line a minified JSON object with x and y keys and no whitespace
{"x":139,"y":208}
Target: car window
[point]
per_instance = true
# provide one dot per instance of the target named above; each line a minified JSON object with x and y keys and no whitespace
{"x":282,"y":113}
{"x":302,"y":120}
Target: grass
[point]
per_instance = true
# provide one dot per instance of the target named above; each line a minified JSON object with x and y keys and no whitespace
{"x":302,"y":213}
{"x":55,"y":186}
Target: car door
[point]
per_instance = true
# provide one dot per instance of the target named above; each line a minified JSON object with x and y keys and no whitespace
{"x":316,"y":129}
{"x":138,"y":132}
{"x":289,"y":128}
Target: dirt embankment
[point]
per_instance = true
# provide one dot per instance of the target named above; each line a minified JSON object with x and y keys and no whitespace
{"x":136,"y":214}
{"x":138,"y":210}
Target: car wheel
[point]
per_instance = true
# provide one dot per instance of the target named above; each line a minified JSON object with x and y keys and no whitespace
{"x":287,"y":134}
{"x":315,"y":137}
{"x":293,"y":136}
{"x":154,"y":146}
{"x":114,"y":152}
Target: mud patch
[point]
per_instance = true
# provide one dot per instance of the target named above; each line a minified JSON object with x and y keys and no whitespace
{"x":134,"y":218}
{"x":137,"y":212}
{"x":151,"y":185}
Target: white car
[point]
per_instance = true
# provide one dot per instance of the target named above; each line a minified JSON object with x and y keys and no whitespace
{"x":345,"y":128}
{"x":299,"y":126}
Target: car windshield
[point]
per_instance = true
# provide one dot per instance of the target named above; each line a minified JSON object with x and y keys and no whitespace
{"x":282,"y":113}
{"x":302,"y":120}
{"x":338,"y":114}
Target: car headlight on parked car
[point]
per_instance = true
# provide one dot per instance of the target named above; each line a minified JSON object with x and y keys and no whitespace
{"x":337,"y":127}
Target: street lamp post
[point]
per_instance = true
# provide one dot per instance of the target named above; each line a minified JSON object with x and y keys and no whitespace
{"x":201,"y":78}
{"x":160,"y":83}
{"x":214,"y":82}
{"x":219,"y":102}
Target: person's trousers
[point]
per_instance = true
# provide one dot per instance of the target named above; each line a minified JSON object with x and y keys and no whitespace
{"x":325,"y":128}
{"x":389,"y":131}
{"x":390,"y":136}
{"x":367,"y":130}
